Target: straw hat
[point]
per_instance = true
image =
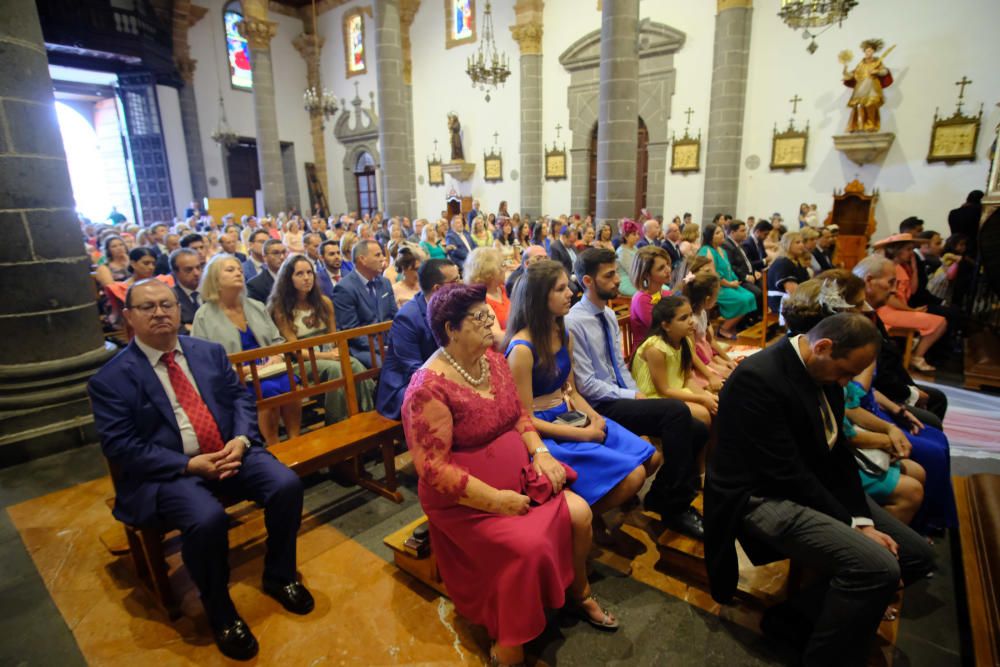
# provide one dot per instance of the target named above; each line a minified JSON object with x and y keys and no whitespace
{"x":895,"y":239}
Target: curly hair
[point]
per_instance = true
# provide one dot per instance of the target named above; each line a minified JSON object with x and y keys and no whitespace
{"x":875,"y":44}
{"x":450,"y":305}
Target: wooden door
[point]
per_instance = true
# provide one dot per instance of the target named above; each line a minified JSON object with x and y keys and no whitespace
{"x":242,"y":165}
{"x":641,"y":170}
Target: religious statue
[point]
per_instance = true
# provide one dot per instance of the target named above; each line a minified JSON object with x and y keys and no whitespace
{"x":868,"y":79}
{"x":455,"y":128}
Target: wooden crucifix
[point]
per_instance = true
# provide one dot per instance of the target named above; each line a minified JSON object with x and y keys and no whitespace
{"x":795,"y":104}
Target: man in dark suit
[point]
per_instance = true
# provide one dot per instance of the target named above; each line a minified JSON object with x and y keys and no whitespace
{"x":186,"y":266}
{"x":364,"y":297}
{"x":259,"y":287}
{"x":228,"y":243}
{"x":563,"y":250}
{"x":531,"y":254}
{"x":927,"y":403}
{"x":460,"y":240}
{"x":650,"y":234}
{"x":965,"y":220}
{"x":821,"y":253}
{"x":783,"y":481}
{"x":180,"y":429}
{"x":411,"y":342}
{"x":754,"y":245}
{"x":671,"y":242}
{"x":328,"y":269}
{"x":736,"y":234}
{"x":255,"y":262}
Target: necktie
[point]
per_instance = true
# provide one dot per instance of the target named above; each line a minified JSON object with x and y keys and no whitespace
{"x":373,"y":293}
{"x":610,"y":349}
{"x":205,"y":428}
{"x":194,"y":299}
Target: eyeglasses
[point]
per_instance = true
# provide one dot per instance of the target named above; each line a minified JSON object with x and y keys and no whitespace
{"x":150,"y":307}
{"x":484,"y":317}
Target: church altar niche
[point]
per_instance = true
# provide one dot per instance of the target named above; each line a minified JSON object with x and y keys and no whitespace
{"x":355,"y":59}
{"x":459,"y":22}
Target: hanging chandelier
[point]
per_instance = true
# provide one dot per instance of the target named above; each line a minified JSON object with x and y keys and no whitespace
{"x":224,"y":135}
{"x":488,"y":69}
{"x":318,"y":100}
{"x":807,"y":14}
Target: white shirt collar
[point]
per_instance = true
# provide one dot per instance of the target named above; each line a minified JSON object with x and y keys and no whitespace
{"x":185,"y":289}
{"x":153,"y":354}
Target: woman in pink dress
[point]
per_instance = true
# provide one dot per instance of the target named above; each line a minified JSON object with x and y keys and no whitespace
{"x":651,"y":276}
{"x":897,"y":312}
{"x":509,"y":539}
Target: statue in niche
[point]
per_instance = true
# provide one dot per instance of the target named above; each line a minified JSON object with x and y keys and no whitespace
{"x":868,"y":79}
{"x":455,"y":128}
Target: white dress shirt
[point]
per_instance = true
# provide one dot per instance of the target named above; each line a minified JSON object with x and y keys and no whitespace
{"x":189,"y":439}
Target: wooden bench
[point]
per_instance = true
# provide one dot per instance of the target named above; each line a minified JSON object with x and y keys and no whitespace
{"x":905,"y":336}
{"x":978,"y":501}
{"x":344,"y":441}
{"x":757,"y":334}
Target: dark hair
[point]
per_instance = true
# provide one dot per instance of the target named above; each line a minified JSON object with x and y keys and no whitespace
{"x":664,"y":312}
{"x":177,"y":253}
{"x":325,"y":244}
{"x":952,"y":243}
{"x":734,"y":225}
{"x":847,"y":331}
{"x":700,"y":290}
{"x":908,"y":225}
{"x":430,"y":274}
{"x":763,"y":226}
{"x":505,"y":239}
{"x":405,"y":260}
{"x":590,"y":260}
{"x":450,"y":305}
{"x":255,"y":233}
{"x":107,"y":245}
{"x":537,"y":238}
{"x":975,"y":197}
{"x":281,"y":301}
{"x":600,"y":231}
{"x":707,"y":233}
{"x":188,"y":239}
{"x":135,"y":254}
{"x":927,"y":235}
{"x":529,"y":309}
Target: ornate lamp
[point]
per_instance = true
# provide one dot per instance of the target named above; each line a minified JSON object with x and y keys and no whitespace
{"x":318,"y":100}
{"x":807,"y":14}
{"x":487,"y":68}
{"x":223,"y":134}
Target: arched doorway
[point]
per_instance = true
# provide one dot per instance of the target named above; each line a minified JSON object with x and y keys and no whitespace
{"x":364,"y":179}
{"x":641,"y":170}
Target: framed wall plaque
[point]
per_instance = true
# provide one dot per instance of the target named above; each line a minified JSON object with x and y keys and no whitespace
{"x":954,"y":139}
{"x":435,"y":174}
{"x":555,"y":165}
{"x":788,"y":148}
{"x":493,"y":167}
{"x":685,"y":153}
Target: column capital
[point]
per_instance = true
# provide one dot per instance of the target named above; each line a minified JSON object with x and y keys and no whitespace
{"x":186,"y":66}
{"x":407,"y":10}
{"x":528,"y":36}
{"x":258,"y":32}
{"x":734,"y":4}
{"x":309,"y":46}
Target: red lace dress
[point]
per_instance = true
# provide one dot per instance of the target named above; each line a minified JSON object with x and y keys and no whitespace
{"x":502,"y":572}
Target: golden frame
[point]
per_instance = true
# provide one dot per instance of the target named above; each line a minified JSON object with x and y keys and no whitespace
{"x":685,"y":154}
{"x":788,"y":148}
{"x":449,"y":42}
{"x":346,"y":35}
{"x":555,"y":165}
{"x":492,"y":167}
{"x":954,"y":139}
{"x":435,"y":173}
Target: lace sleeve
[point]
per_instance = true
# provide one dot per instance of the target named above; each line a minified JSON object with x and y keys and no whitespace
{"x":428,"y":422}
{"x":523,"y":424}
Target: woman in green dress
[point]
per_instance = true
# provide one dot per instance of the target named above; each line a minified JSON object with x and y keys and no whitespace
{"x":734,"y":301}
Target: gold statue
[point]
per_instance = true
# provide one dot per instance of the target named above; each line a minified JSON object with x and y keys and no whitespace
{"x":868,"y":79}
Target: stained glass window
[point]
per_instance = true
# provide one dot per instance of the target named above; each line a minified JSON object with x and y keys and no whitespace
{"x":237,"y":51}
{"x":459,"y":22}
{"x":354,"y":40}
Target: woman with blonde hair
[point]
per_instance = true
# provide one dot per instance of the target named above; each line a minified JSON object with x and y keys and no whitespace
{"x":347,"y":243}
{"x":293,"y":236}
{"x":480,"y":236}
{"x":484,"y":266}
{"x":240,"y":324}
{"x":809,"y":238}
{"x":788,"y":270}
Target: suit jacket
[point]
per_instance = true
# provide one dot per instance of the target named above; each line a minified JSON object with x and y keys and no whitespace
{"x":756,"y":253}
{"x":324,"y":280}
{"x":249,"y":270}
{"x":822,"y":259}
{"x":411,"y":343}
{"x":240,"y":256}
{"x":259,"y":287}
{"x":739,"y":260}
{"x":643,"y":242}
{"x":772,"y":444}
{"x":674,"y":252}
{"x":922,"y":297}
{"x":559,"y":253}
{"x":188,"y":309}
{"x":138,"y":430}
{"x":891,"y":377}
{"x":512,"y":280}
{"x":460,"y":252}
{"x":354,"y":308}
{"x":162,"y":263}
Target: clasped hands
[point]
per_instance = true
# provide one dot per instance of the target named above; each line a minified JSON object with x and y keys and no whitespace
{"x":218,"y":465}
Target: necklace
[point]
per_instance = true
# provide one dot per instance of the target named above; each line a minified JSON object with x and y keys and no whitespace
{"x":483,"y":369}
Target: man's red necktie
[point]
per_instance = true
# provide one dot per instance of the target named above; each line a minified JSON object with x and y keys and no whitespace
{"x":197,"y":412}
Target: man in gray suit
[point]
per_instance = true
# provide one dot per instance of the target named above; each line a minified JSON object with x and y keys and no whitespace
{"x":364,"y":296}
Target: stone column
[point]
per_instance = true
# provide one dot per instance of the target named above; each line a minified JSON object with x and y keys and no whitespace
{"x":618,"y":115}
{"x":725,"y":118}
{"x":527,"y":32}
{"x":52,"y":339}
{"x":192,"y":130}
{"x":407,"y":11}
{"x":309,"y":47}
{"x":259,"y":31}
{"x":395,"y":195}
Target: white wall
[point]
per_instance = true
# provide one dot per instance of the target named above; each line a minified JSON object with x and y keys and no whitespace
{"x":208,"y":47}
{"x":934,"y":49}
{"x":173,"y":137}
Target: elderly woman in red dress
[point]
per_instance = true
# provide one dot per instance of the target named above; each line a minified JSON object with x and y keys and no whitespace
{"x":897,"y":312}
{"x":509,"y":538}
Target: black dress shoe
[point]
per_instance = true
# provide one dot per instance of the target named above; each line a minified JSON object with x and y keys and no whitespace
{"x":293,"y":596}
{"x":688,"y":522}
{"x":236,"y":641}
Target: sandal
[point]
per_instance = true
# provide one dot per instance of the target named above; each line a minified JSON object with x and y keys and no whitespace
{"x":608,"y":624}
{"x":495,"y":661}
{"x":920,"y":364}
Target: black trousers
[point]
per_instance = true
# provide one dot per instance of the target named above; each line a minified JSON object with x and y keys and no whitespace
{"x":937,"y":406}
{"x":857,"y":576}
{"x":190,"y":505}
{"x":682,"y":438}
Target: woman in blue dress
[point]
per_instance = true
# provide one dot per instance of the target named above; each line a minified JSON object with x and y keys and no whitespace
{"x":611,"y":462}
{"x":734,"y":301}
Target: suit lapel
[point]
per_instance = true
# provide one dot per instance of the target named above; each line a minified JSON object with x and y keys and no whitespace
{"x":151,"y":386}
{"x":807,"y":392}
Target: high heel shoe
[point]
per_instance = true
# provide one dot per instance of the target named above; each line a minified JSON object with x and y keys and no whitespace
{"x":608,"y":623}
{"x":920,"y":364}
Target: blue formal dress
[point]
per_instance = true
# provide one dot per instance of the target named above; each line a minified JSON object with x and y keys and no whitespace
{"x":599,"y":466}
{"x":272,"y":386}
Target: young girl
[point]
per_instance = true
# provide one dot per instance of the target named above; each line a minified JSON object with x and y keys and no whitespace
{"x":663,"y":364}
{"x":711,"y":361}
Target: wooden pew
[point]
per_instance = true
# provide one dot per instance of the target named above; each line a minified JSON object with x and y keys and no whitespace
{"x":978,"y":501}
{"x":757,"y":334}
{"x":347,"y":440}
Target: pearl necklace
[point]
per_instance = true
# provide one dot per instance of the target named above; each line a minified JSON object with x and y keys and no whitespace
{"x":483,"y":369}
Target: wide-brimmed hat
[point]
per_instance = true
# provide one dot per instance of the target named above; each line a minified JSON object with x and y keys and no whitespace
{"x":895,"y":239}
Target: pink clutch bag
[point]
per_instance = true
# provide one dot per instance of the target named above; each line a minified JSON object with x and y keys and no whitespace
{"x":538,"y":487}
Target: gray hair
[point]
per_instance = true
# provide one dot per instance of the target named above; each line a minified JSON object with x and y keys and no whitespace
{"x":361,"y":248}
{"x":872,"y":266}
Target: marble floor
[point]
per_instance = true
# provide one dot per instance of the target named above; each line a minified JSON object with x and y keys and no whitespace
{"x":64,"y":599}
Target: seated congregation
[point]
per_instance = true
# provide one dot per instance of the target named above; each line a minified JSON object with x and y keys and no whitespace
{"x":543,"y":372}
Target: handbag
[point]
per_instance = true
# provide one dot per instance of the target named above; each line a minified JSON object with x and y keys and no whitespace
{"x":538,"y":487}
{"x":875,"y":462}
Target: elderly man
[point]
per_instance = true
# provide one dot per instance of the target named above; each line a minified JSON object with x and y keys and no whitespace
{"x":672,"y":241}
{"x":186,"y":266}
{"x":228,"y":243}
{"x":782,"y":480}
{"x":181,"y":430}
{"x":531,"y":254}
{"x":650,"y":234}
{"x":927,"y":403}
{"x":460,"y":241}
{"x":259,"y":287}
{"x":364,"y":296}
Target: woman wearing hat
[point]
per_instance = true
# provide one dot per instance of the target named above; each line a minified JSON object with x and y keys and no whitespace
{"x":897,"y":312}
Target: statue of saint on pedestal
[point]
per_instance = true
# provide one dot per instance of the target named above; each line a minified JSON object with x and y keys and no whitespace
{"x":868,"y":79}
{"x":455,"y":128}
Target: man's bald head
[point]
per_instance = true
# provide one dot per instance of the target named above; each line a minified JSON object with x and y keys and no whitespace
{"x":532,"y":254}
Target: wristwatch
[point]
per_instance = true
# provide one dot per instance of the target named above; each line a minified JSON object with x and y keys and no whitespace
{"x":247,"y":444}
{"x":541,"y":449}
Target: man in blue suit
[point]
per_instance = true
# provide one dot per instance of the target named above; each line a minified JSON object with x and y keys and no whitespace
{"x":180,"y":429}
{"x":411,"y":342}
{"x":364,"y":297}
{"x":329,"y":267}
{"x":255,"y":262}
{"x":461,"y":241}
{"x":753,"y":246}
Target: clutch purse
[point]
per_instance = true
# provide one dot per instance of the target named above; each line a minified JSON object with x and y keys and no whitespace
{"x":538,"y":487}
{"x":875,"y":462}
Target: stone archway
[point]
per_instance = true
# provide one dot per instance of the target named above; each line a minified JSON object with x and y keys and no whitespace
{"x":657,"y":78}
{"x":358,"y":138}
